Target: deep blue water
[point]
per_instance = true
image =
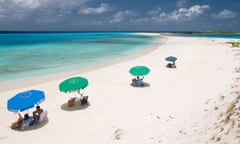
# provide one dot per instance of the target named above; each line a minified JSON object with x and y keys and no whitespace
{"x":24,"y":54}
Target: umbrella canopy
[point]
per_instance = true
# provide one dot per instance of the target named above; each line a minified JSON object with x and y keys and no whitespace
{"x":25,"y":100}
{"x":73,"y":84}
{"x":139,"y":70}
{"x":171,"y":58}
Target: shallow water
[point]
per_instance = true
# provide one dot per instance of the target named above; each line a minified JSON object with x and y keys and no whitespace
{"x":28,"y":54}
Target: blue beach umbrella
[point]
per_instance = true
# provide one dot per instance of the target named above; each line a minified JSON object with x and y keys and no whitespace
{"x":25,"y":100}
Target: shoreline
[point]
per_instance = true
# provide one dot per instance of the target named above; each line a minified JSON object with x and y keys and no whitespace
{"x":27,"y":81}
{"x":182,"y":105}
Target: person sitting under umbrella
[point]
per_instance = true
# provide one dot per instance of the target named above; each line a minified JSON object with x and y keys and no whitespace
{"x":22,"y":121}
{"x":138,"y":71}
{"x":171,"y":59}
{"x":137,"y":81}
{"x":83,"y":99}
{"x":19,"y":123}
{"x":171,"y":65}
{"x":28,"y":120}
{"x":37,"y":113}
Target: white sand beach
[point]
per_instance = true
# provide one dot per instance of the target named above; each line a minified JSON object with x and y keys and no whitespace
{"x":196,"y":103}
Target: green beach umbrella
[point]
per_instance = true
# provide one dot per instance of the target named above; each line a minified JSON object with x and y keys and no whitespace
{"x":73,"y":84}
{"x":139,"y":70}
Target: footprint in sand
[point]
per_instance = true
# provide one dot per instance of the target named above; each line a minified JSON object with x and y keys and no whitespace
{"x":170,"y":118}
{"x":207,"y":101}
{"x":118,"y":133}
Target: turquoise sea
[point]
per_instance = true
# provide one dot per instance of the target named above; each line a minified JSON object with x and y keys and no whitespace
{"x":28,"y":54}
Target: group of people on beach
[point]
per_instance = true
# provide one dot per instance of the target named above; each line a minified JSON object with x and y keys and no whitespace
{"x":26,"y":119}
{"x":137,"y":81}
{"x":31,"y":120}
{"x":83,"y":100}
{"x":171,"y":65}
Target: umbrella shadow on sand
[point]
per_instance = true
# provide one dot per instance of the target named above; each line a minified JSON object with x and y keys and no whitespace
{"x":34,"y":127}
{"x":144,"y":85}
{"x":77,"y":106}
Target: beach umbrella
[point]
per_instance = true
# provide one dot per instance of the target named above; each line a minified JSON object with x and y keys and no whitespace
{"x":139,"y":70}
{"x":73,"y":84}
{"x":25,"y":100}
{"x":171,"y":58}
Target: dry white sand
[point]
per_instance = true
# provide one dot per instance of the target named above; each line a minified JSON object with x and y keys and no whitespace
{"x":196,"y":103}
